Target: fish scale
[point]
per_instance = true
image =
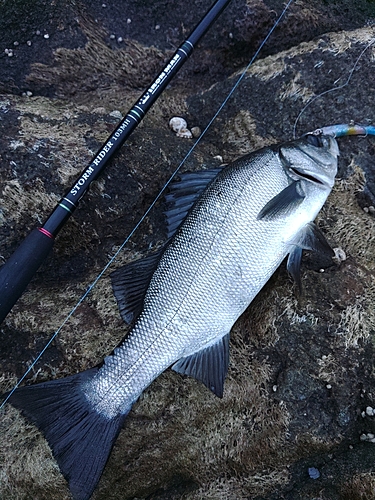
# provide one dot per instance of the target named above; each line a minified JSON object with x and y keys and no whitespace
{"x":225,"y":241}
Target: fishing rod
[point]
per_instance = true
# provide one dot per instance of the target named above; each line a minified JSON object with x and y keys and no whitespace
{"x":20,"y":268}
{"x":151,"y":206}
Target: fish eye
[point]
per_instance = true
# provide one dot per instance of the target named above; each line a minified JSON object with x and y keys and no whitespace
{"x":314,"y":140}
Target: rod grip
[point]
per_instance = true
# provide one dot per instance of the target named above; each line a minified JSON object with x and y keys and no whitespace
{"x":20,"y":268}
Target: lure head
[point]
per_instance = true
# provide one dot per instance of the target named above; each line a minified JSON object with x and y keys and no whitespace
{"x":312,"y":158}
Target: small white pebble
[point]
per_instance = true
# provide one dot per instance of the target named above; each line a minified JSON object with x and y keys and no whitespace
{"x":10,"y":53}
{"x":116,"y":114}
{"x":37,"y":32}
{"x":29,"y":93}
{"x":321,"y":270}
{"x":363,"y":414}
{"x":230,"y":35}
{"x":328,"y":386}
{"x":363,"y":437}
{"x":274,"y":388}
{"x":120,"y":39}
{"x":46,"y":36}
{"x":350,"y":447}
{"x":370,"y":436}
{"x":179,"y":126}
{"x":16,"y":44}
{"x":104,"y":5}
{"x":28,"y":43}
{"x":369,"y":411}
{"x":366,"y":210}
{"x":157,"y":27}
{"x":176,"y":123}
{"x":196,"y":131}
{"x":112,"y":37}
{"x":184,"y":132}
{"x":371,"y":209}
{"x":340,"y":255}
{"x":219,"y":158}
{"x":128,"y":21}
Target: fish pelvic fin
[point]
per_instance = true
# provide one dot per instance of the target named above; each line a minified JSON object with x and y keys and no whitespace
{"x":294,"y":266}
{"x":309,"y":238}
{"x":80,"y":438}
{"x":210,"y":365}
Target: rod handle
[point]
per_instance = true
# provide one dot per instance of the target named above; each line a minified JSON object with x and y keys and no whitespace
{"x":20,"y":268}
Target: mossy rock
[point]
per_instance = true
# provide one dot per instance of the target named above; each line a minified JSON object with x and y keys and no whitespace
{"x":301,"y":372}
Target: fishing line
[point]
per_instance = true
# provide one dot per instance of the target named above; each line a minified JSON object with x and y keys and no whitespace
{"x":158,"y":196}
{"x":333,"y":89}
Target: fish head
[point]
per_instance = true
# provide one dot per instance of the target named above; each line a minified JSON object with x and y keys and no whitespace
{"x":311,"y":158}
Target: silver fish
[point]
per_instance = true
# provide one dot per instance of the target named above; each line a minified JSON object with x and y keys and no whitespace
{"x":230,"y":228}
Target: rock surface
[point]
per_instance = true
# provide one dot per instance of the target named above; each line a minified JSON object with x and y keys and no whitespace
{"x":302,"y":368}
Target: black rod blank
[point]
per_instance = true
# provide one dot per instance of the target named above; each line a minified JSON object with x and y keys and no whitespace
{"x":18,"y":271}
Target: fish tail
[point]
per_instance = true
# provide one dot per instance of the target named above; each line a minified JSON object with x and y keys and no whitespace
{"x":81,"y":439}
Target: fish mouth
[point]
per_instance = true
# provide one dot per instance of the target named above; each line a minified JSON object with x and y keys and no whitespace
{"x":305,"y":175}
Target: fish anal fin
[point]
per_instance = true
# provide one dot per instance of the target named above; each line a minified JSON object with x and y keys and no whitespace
{"x":130,"y":283}
{"x":210,"y":365}
{"x":183,"y":193}
{"x":283,"y":203}
{"x":81,"y":439}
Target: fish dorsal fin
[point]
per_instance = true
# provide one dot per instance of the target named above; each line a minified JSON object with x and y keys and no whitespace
{"x":309,"y":238}
{"x":283,"y":203}
{"x":183,"y":193}
{"x":210,"y":365}
{"x":130,"y":283}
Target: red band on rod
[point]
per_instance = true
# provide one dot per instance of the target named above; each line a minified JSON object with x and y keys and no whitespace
{"x":47,"y":233}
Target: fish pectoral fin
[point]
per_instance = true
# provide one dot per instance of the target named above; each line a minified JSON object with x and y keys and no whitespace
{"x":130,"y":283}
{"x":311,"y":238}
{"x":294,"y":266}
{"x":210,"y":365}
{"x":283,"y":203}
{"x":183,"y":194}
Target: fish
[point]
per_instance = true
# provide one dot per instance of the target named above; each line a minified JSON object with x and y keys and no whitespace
{"x":229,"y":228}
